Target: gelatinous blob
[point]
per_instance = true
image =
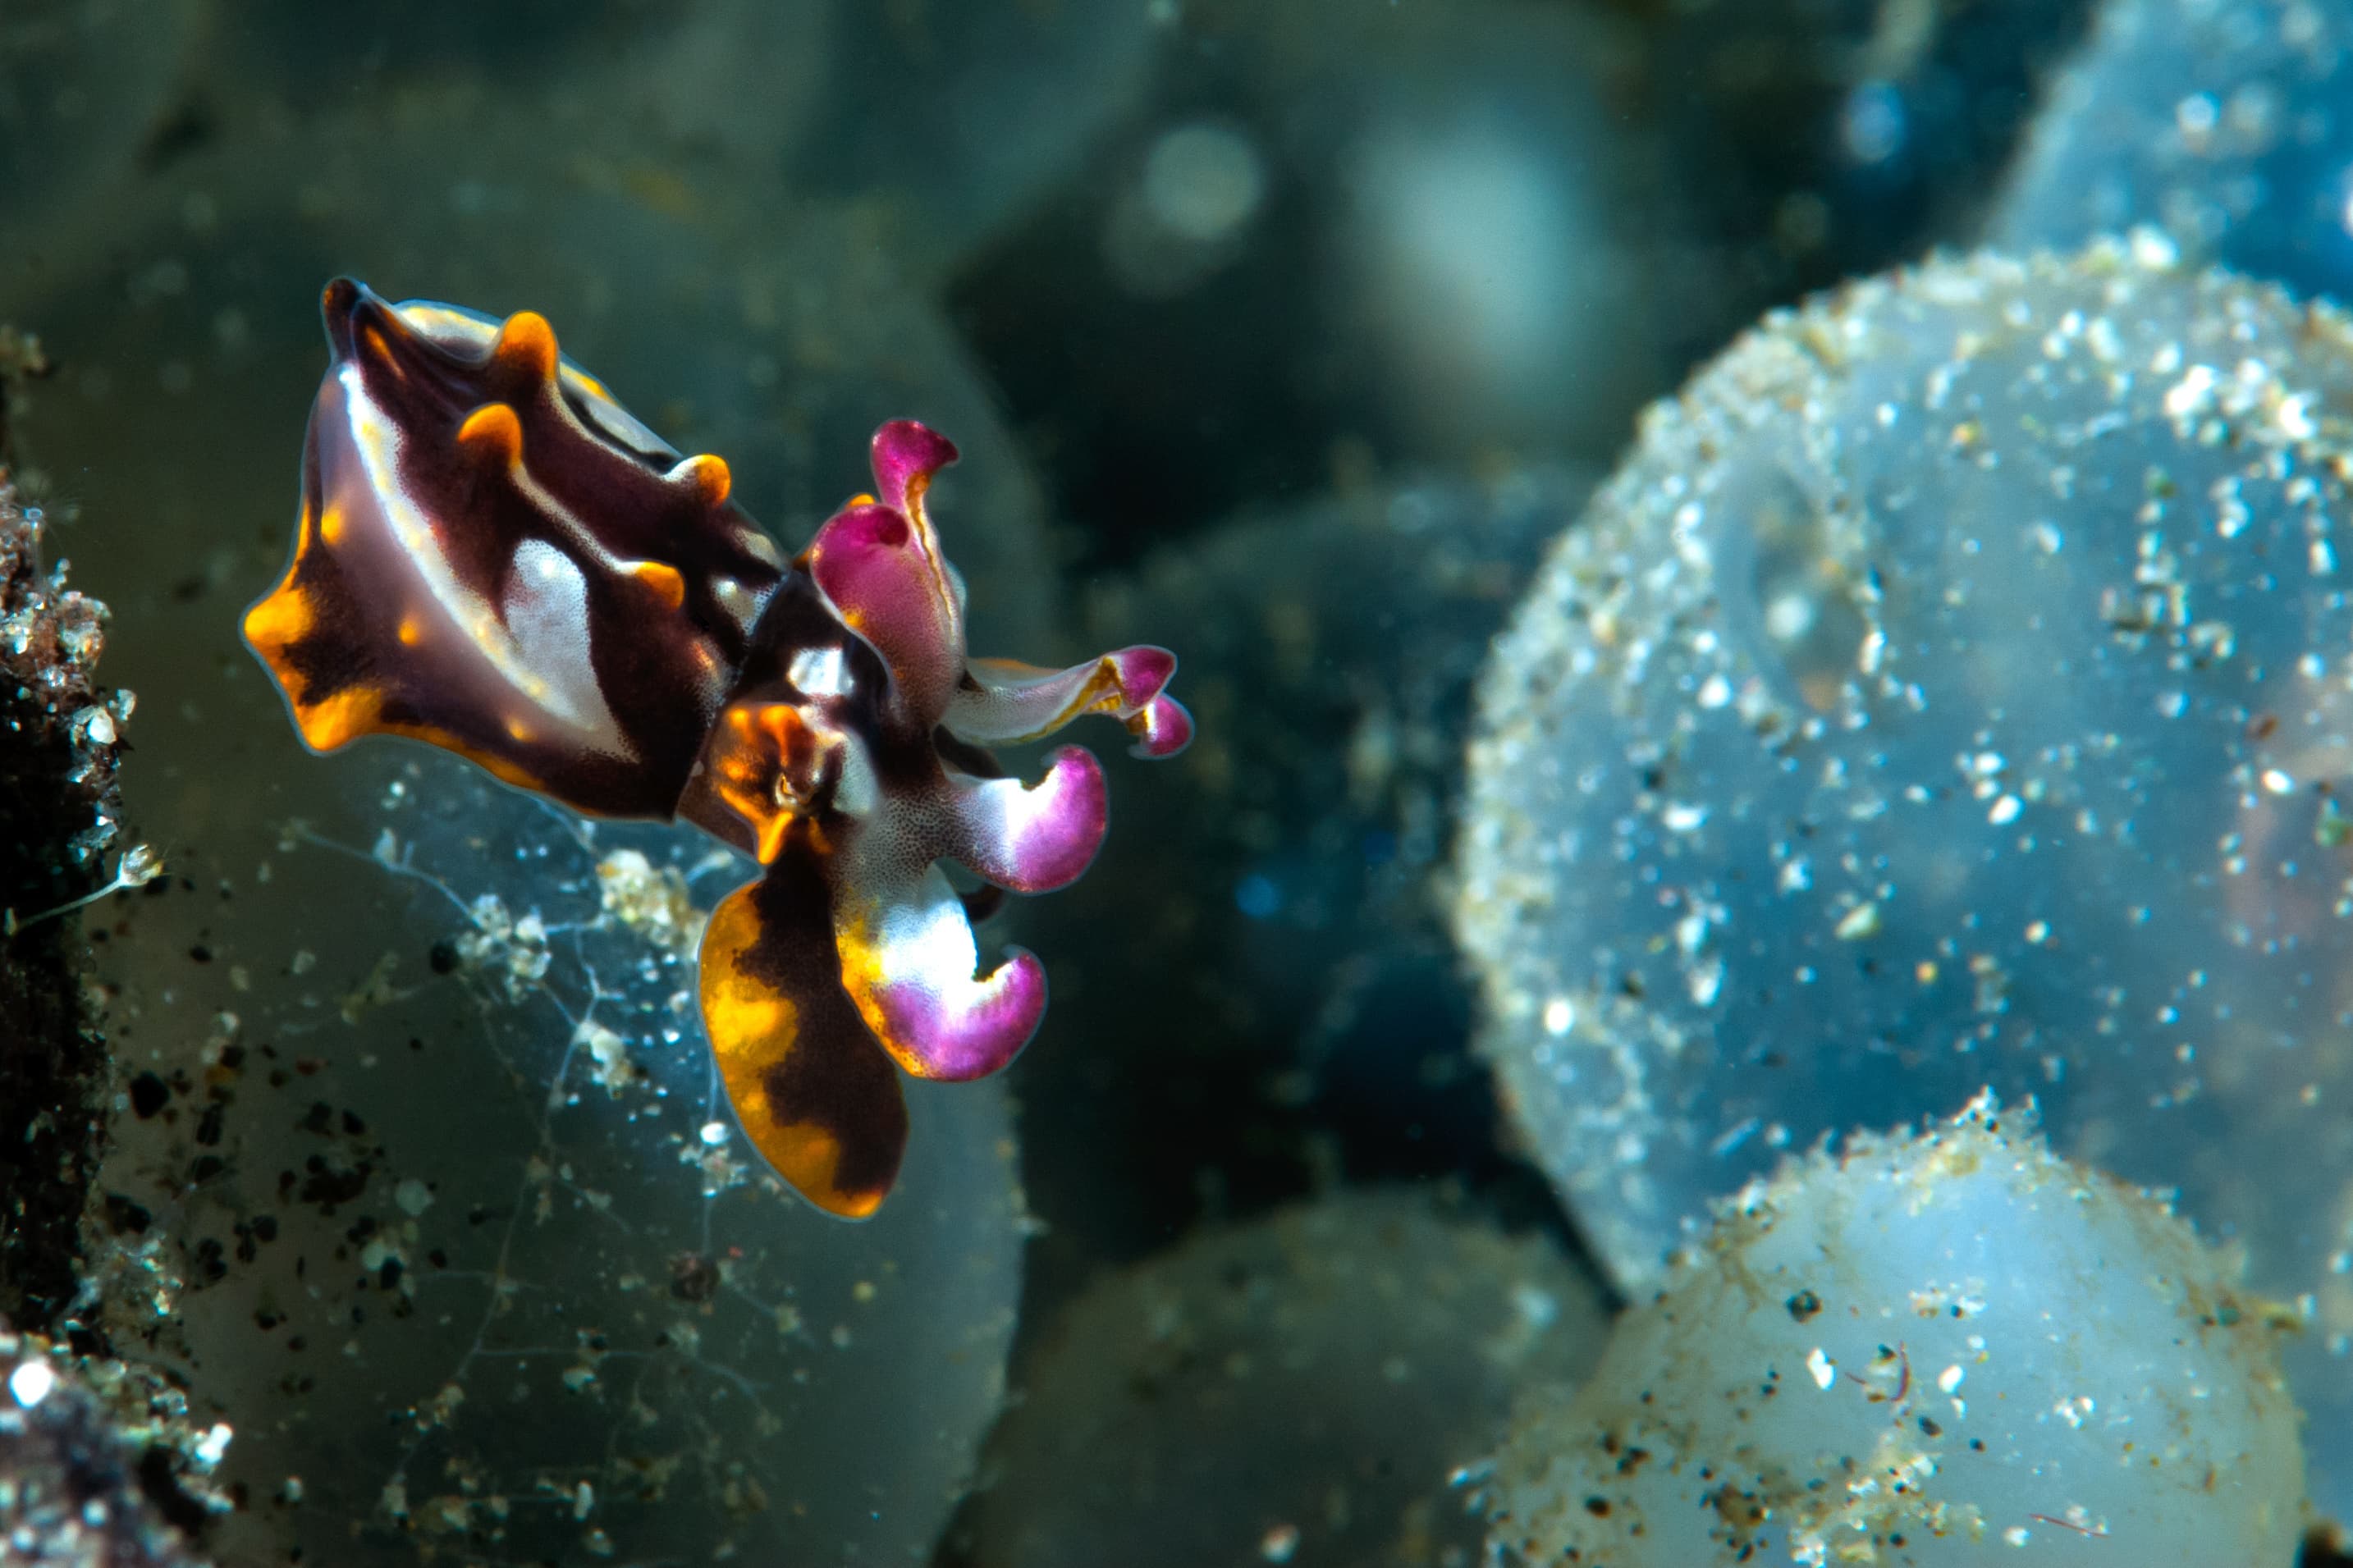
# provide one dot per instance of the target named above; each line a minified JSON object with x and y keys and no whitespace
{"x":1948,"y":1351}
{"x":1308,"y":1377}
{"x":494,"y":556}
{"x":441,"y":1143}
{"x":2227,"y":124}
{"x":1950,"y":691}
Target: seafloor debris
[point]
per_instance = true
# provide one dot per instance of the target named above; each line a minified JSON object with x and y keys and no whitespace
{"x":1303,"y":1385}
{"x":100,"y":1466}
{"x":1931,"y":1353}
{"x":60,"y":817}
{"x":1952,"y":689}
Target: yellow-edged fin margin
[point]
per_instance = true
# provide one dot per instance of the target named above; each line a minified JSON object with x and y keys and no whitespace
{"x":778,"y":1061}
{"x":336,"y":721}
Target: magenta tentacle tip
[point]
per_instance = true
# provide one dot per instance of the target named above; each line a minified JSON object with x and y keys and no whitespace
{"x":905,"y":456}
{"x":958,"y":1039}
{"x":1162,"y":730}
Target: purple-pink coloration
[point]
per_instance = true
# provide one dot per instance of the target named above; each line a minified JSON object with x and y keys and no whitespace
{"x":1033,"y":839}
{"x":494,"y":556}
{"x":894,"y":593}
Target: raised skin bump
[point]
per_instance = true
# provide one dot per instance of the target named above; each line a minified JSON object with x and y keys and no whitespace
{"x":493,"y":429}
{"x":526,"y":346}
{"x":494,"y":556}
{"x":709,"y":475}
{"x":664,"y":580}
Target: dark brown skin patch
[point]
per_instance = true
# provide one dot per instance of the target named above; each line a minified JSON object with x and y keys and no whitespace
{"x":665,"y":559}
{"x":834,"y":1078}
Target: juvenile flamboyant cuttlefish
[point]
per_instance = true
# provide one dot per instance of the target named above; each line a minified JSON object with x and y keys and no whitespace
{"x":493,"y":556}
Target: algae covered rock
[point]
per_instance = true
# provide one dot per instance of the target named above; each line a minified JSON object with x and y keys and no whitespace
{"x":1952,"y":689}
{"x":1930,"y":1352}
{"x":62,"y":735}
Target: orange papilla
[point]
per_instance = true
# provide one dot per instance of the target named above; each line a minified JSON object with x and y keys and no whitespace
{"x":337,"y":720}
{"x":286,"y":614}
{"x":494,"y":427}
{"x":665,"y":579}
{"x":278,"y":621}
{"x":526,"y":342}
{"x":712,"y":477}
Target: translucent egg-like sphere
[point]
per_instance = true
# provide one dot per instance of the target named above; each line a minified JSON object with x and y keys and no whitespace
{"x":1934,"y":1352}
{"x":1954,"y":689}
{"x":423,"y":1182}
{"x":2228,"y":123}
{"x":1296,"y":1388}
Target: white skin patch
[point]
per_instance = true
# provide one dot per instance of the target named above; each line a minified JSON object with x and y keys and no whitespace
{"x":927,"y":942}
{"x":546,"y":614}
{"x":819,"y":672}
{"x":741,"y":603}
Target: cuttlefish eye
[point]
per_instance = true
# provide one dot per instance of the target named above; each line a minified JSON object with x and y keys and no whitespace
{"x":494,"y":556}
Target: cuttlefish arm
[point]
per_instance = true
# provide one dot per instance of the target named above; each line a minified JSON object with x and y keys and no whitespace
{"x":847,"y":760}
